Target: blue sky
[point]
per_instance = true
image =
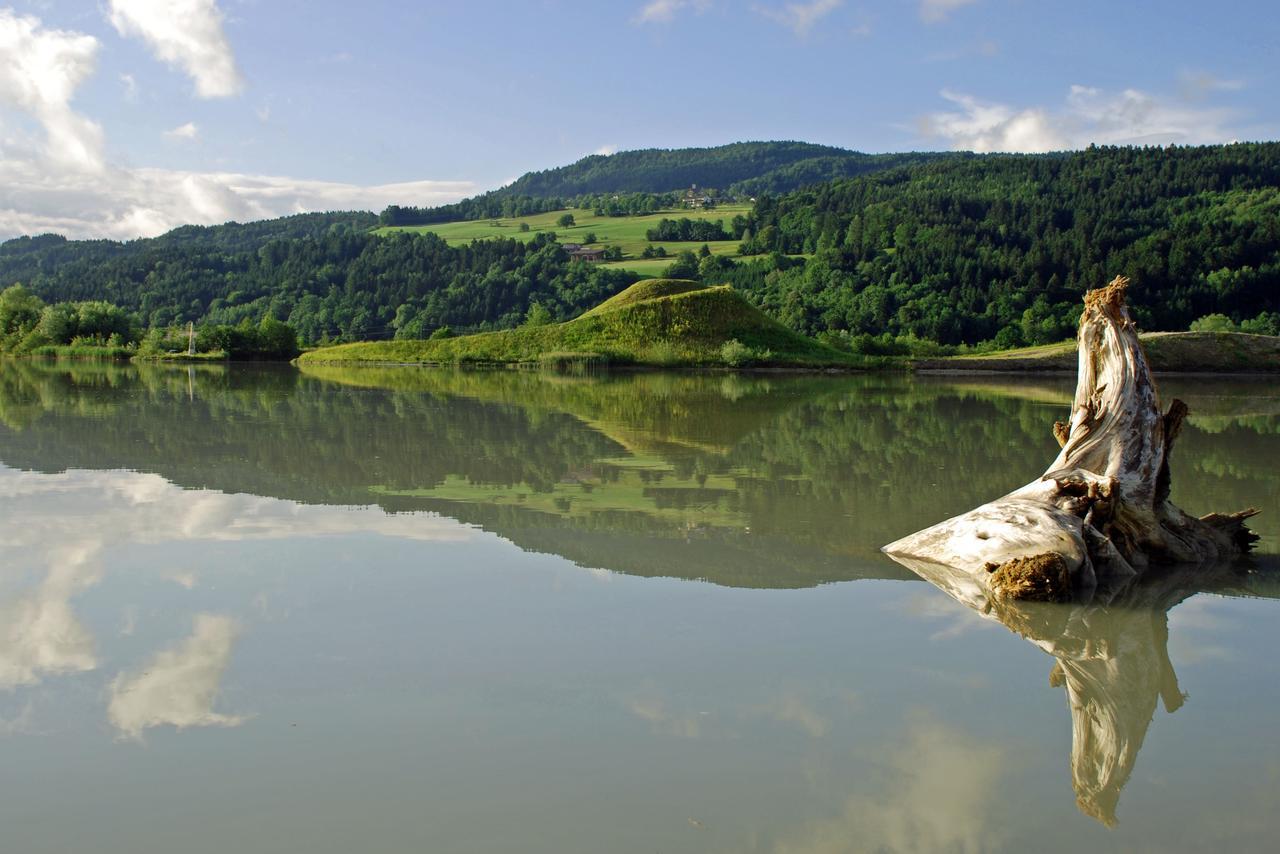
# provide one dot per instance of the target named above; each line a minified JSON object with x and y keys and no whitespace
{"x":126,"y":117}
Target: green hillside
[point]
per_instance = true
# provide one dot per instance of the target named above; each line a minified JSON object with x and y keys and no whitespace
{"x":628,"y":234}
{"x":661,"y":322}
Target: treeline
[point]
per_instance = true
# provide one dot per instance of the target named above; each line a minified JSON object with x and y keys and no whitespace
{"x":496,"y":205}
{"x":1002,"y":247}
{"x":28,"y":326}
{"x":339,"y":285}
{"x":685,"y":229}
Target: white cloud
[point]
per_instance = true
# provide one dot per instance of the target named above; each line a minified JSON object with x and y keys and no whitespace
{"x":185,"y":131}
{"x":606,"y":150}
{"x":62,"y":183}
{"x":39,"y":71}
{"x":800,"y":17}
{"x":665,"y":11}
{"x":1088,"y":116}
{"x":187,"y":34}
{"x":1198,"y":85}
{"x":933,"y":11}
{"x":178,"y":686}
{"x":128,"y":203}
{"x":130,"y":87}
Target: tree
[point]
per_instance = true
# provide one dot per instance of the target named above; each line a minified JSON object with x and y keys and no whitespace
{"x":685,"y":267}
{"x":524,"y":226}
{"x":19,"y":313}
{"x":538,"y":315}
{"x":565,"y":220}
{"x":589,"y":237}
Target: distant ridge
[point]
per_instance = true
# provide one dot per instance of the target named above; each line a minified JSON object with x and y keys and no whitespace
{"x":742,"y":168}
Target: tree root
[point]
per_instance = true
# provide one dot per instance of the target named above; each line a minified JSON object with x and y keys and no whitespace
{"x":1102,"y":509}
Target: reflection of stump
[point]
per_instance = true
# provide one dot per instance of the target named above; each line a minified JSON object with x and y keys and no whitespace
{"x":1102,"y":508}
{"x":1111,"y":656}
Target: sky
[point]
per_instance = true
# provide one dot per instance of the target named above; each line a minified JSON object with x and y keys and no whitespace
{"x":125,"y":118}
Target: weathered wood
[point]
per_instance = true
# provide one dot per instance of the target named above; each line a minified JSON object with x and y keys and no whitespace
{"x":1102,"y":507}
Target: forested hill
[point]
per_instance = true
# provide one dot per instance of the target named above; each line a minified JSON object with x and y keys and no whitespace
{"x":739,"y":170}
{"x":956,"y":249}
{"x":1003,"y":246}
{"x":53,"y":257}
{"x":746,"y":168}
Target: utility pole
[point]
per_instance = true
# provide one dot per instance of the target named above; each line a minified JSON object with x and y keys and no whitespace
{"x":191,"y":338}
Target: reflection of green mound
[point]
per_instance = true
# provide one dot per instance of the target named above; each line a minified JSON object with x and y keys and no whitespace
{"x":750,"y":480}
{"x":656,"y":322}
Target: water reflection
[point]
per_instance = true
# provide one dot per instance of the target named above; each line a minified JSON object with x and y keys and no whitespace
{"x":761,"y":482}
{"x":374,"y":554}
{"x":1111,"y":657}
{"x":57,"y":531}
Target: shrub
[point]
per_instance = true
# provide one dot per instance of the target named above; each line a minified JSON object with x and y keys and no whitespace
{"x":735,"y":354}
{"x":572,"y":363}
{"x":1213,"y":323}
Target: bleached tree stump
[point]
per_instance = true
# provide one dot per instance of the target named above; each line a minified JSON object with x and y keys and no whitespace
{"x":1101,"y":511}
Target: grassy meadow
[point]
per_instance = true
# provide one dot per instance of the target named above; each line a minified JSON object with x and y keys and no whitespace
{"x":627,"y":232}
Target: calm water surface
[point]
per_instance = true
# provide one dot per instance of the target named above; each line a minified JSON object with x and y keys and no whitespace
{"x":340,"y":610}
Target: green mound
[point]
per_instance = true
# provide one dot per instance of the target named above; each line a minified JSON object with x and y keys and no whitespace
{"x":660,"y":322}
{"x":646,"y":290}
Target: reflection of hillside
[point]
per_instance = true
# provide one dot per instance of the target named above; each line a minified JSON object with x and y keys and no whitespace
{"x":768,"y":481}
{"x":1112,"y":658}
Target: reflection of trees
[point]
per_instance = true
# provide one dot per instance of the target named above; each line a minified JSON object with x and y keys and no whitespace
{"x":1112,"y":657}
{"x":754,"y":480}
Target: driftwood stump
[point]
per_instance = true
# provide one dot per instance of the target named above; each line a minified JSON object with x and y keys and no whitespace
{"x":1101,"y":512}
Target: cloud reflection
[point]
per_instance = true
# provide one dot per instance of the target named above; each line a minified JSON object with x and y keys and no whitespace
{"x":39,"y":632}
{"x":938,"y":796}
{"x":179,"y":686}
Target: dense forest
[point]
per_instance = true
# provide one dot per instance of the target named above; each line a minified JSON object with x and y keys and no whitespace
{"x":1003,"y":246}
{"x":338,"y":284}
{"x":997,"y":248}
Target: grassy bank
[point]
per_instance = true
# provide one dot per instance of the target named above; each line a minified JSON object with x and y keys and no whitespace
{"x":1171,"y":352}
{"x":92,"y":352}
{"x":657,"y":322}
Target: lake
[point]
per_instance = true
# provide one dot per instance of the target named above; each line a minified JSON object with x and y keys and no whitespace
{"x":258,"y":609}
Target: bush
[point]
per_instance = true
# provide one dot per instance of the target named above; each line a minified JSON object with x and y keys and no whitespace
{"x":572,"y":363}
{"x":735,"y":354}
{"x":441,"y":333}
{"x":538,"y":315}
{"x":662,"y":353}
{"x":1213,"y":323}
